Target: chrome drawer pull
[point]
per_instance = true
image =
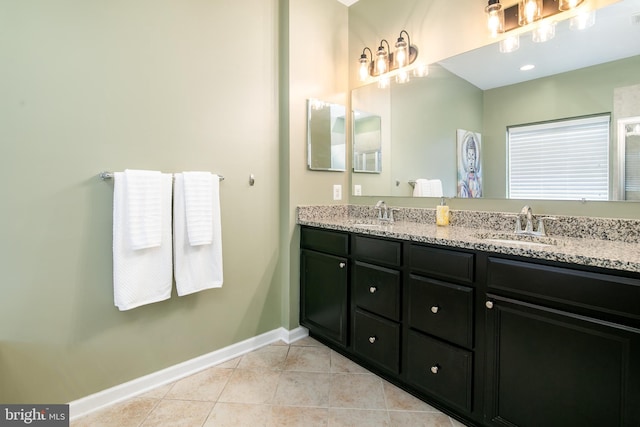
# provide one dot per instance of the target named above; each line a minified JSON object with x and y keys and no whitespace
{"x":489,"y":305}
{"x":435,"y":309}
{"x":435,"y":369}
{"x":342,"y":264}
{"x":372,"y":339}
{"x":372,"y":290}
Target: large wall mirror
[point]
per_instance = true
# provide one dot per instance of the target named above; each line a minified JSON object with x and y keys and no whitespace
{"x":577,"y":75}
{"x":326,"y":136}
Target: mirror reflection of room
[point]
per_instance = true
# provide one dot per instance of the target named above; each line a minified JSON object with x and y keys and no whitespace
{"x":471,"y":92}
{"x":326,"y":136}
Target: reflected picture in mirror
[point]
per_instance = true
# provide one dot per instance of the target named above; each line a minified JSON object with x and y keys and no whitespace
{"x":577,"y":74}
{"x":326,"y":136}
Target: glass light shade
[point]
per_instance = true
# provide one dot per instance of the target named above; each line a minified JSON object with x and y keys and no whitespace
{"x":544,"y":32}
{"x":495,"y":18}
{"x":583,"y":20}
{"x":569,"y":4}
{"x":529,"y":11}
{"x":363,"y":69}
{"x":381,"y":61}
{"x":403,"y":76}
{"x":401,"y":55}
{"x":421,"y":70}
{"x":510,"y":44}
{"x":383,"y":82}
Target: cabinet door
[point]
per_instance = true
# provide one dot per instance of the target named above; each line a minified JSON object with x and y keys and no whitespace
{"x":552,"y":368}
{"x":323,"y":295}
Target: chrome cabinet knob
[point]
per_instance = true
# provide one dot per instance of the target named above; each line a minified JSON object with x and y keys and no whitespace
{"x":435,"y":309}
{"x":372,"y":289}
{"x":489,"y":304}
{"x":372,"y":339}
{"x":435,"y":369}
{"x":342,"y":265}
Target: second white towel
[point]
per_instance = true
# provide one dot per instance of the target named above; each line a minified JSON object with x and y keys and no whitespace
{"x":196,"y":268}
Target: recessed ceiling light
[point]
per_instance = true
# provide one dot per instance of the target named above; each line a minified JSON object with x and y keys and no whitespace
{"x":527,"y":67}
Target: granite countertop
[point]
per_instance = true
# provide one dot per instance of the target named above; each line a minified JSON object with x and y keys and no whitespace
{"x":610,"y":254}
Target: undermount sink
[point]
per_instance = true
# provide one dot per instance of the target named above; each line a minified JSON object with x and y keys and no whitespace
{"x":518,"y":239}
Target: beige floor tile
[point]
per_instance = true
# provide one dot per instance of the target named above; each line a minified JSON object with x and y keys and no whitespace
{"x":289,"y":416}
{"x":358,"y":418}
{"x":178,"y":413}
{"x":307,"y":342}
{"x":269,"y":357}
{"x":238,"y":414}
{"x":280,"y":342}
{"x":363,"y":391}
{"x":309,"y":359}
{"x":129,"y":413}
{"x":400,"y":400}
{"x":339,"y":363}
{"x":456,"y":423}
{"x":418,"y":419}
{"x":303,"y":389}
{"x":230,"y":364}
{"x":251,"y":386}
{"x":206,"y":385}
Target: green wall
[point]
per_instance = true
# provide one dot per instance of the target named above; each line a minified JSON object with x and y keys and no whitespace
{"x":109,"y":85}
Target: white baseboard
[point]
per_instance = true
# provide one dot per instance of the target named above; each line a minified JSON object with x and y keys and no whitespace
{"x":124,"y":391}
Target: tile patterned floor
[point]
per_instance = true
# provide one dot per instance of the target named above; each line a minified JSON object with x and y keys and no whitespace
{"x":302,"y":384}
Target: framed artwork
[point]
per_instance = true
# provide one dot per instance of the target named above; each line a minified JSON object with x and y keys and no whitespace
{"x":469,"y":155}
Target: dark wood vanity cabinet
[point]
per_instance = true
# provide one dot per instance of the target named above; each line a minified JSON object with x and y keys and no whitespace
{"x":493,"y":340}
{"x":324,"y":284}
{"x":376,"y":301}
{"x":552,"y":358}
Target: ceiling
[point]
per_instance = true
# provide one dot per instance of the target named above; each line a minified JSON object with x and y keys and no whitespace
{"x":347,"y":2}
{"x":615,"y":35}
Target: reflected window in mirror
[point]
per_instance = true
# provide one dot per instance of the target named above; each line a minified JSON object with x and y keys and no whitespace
{"x":326,"y":136}
{"x":559,"y":160}
{"x":367,"y":142}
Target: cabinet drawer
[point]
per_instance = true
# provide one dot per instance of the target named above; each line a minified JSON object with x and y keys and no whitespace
{"x":324,"y":241}
{"x":441,"y":309}
{"x":377,"y":251}
{"x":377,"y":289}
{"x":605,"y":293}
{"x":440,"y":369}
{"x":377,"y":340}
{"x":442,"y":263}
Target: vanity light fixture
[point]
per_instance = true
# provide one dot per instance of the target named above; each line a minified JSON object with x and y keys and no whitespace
{"x":524,"y":13}
{"x":510,"y":44}
{"x":386,"y":63}
{"x":495,"y":17}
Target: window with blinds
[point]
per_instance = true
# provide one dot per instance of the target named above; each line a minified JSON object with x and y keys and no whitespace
{"x":560,"y":160}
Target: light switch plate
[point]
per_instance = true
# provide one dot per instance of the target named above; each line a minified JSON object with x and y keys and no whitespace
{"x":357,"y":190}
{"x":337,"y":192}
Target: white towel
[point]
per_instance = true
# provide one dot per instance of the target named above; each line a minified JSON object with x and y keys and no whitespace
{"x":141,"y":276}
{"x":196,"y":268}
{"x":198,"y":201}
{"x":435,"y":188}
{"x":144,"y":215}
{"x":422,"y":188}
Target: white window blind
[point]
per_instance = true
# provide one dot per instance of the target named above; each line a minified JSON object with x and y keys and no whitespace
{"x":560,"y":160}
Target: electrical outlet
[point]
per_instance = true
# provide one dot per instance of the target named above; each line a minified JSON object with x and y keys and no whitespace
{"x":357,"y":190}
{"x":337,"y":192}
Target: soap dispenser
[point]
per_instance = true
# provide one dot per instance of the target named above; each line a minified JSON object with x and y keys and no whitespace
{"x":442,"y":213}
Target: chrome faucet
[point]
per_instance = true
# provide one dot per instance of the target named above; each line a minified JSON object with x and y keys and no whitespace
{"x":526,"y":211}
{"x":385,"y":213}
